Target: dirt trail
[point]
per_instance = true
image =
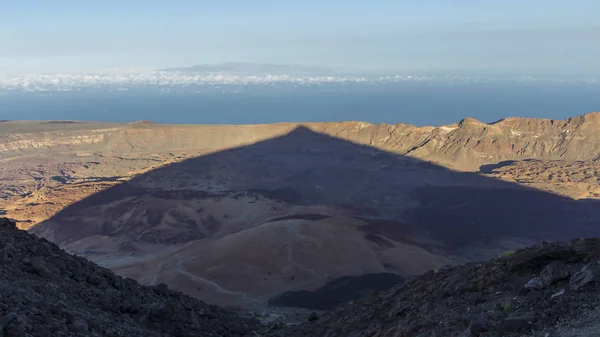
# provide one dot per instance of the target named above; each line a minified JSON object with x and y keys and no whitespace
{"x":294,"y":236}
{"x":181,"y":269}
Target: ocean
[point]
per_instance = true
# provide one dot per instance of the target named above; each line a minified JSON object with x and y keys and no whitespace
{"x":411,"y":102}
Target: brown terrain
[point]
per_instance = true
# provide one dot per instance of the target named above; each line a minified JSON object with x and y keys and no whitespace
{"x":238,"y":214}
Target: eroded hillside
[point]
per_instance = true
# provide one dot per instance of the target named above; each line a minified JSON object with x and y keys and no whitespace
{"x":465,"y":145}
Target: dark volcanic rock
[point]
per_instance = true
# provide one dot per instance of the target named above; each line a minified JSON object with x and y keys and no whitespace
{"x":46,"y":292}
{"x":585,"y":276}
{"x":517,"y":323}
{"x":337,"y":292}
{"x":480,"y":299}
{"x":555,"y":272}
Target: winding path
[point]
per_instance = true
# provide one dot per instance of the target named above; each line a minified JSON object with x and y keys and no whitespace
{"x":182,"y":270}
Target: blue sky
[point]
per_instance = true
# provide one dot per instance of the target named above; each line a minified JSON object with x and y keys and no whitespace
{"x":532,"y":35}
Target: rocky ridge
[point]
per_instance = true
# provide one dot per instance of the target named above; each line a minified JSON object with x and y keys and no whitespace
{"x":546,"y":290}
{"x":47,"y":292}
{"x":465,"y":145}
{"x":41,"y":158}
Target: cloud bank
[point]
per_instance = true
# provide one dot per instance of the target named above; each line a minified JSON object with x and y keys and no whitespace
{"x":125,"y":80}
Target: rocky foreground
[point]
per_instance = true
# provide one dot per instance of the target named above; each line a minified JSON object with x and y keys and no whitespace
{"x":547,"y":290}
{"x":47,"y":292}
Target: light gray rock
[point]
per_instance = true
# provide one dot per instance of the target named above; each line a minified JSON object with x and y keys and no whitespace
{"x":535,"y":283}
{"x":585,"y":276}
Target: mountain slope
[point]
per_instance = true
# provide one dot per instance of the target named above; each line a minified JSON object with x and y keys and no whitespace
{"x":46,"y":292}
{"x":483,"y":299}
{"x":232,"y":248}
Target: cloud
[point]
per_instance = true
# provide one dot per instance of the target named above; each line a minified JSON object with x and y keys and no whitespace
{"x":134,"y":78}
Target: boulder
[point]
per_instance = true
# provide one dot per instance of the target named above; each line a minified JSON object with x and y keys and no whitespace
{"x":585,"y":276}
{"x":554,"y":272}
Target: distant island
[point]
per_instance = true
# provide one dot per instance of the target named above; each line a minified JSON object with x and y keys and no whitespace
{"x":254,"y":69}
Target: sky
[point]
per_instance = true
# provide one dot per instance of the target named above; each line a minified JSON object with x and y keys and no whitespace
{"x":372,"y":35}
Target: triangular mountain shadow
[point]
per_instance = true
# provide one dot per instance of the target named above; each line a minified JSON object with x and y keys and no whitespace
{"x":457,"y":210}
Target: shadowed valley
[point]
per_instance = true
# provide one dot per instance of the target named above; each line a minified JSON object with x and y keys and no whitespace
{"x":291,"y":207}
